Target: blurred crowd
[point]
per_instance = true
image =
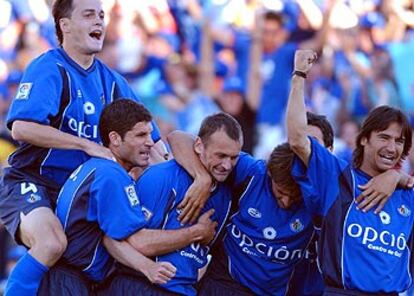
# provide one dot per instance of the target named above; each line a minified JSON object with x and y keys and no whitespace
{"x":190,"y":58}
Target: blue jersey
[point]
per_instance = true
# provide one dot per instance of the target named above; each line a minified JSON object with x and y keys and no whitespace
{"x":98,"y":199}
{"x":263,"y":241}
{"x":56,"y":91}
{"x":276,"y":69}
{"x":357,"y":250}
{"x":161,"y":188}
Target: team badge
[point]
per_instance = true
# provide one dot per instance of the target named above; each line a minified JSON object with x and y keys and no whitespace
{"x":24,"y":91}
{"x":385,"y":218}
{"x":254,"y":213}
{"x":296,"y":226}
{"x":132,"y":195}
{"x":34,"y":198}
{"x":269,"y":233}
{"x":147,"y":213}
{"x":404,"y":211}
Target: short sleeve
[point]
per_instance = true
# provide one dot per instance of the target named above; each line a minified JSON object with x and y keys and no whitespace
{"x":319,"y":182}
{"x":38,"y":95}
{"x":157,"y":194}
{"x":246,"y":166}
{"x":118,"y":208}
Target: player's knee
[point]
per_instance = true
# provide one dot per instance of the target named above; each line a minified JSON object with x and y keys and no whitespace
{"x":51,"y":246}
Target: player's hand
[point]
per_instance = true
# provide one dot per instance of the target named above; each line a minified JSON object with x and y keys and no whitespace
{"x":304,"y":59}
{"x":377,"y":191}
{"x":95,"y":150}
{"x":206,"y":228}
{"x":160,"y":272}
{"x":194,"y":200}
{"x":406,"y":181}
{"x":156,"y":157}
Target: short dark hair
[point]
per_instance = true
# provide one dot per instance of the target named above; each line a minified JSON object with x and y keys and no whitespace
{"x":271,"y":15}
{"x":323,"y":124}
{"x":279,"y":166}
{"x":60,"y":10}
{"x":121,"y":116}
{"x":219,"y":121}
{"x":379,"y":119}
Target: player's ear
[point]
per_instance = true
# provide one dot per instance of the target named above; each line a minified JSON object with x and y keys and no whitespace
{"x":64,"y":25}
{"x":115,"y":139}
{"x":364,"y":141}
{"x":198,"y":145}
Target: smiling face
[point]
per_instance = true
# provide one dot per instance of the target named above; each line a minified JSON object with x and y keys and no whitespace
{"x":382,"y":150}
{"x":84,"y":30}
{"x":134,"y":149}
{"x":219,"y":154}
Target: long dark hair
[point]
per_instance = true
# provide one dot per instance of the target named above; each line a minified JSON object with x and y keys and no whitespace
{"x":379,"y":119}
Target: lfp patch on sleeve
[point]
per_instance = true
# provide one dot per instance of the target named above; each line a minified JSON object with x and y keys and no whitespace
{"x":132,"y":195}
{"x":24,"y":91}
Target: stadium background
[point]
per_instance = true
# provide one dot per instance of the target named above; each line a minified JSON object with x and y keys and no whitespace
{"x":169,"y":51}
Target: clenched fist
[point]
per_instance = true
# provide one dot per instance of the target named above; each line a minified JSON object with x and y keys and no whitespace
{"x":304,"y":59}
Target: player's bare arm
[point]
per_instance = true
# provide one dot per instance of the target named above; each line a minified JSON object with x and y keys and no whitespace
{"x":123,"y":252}
{"x":197,"y":194}
{"x":296,"y":111}
{"x":50,"y":137}
{"x":380,"y":188}
{"x":154,"y":242}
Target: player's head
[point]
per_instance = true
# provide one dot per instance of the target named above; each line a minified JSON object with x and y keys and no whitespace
{"x":279,"y":166}
{"x":125,"y":128}
{"x":320,"y":128}
{"x":218,"y":144}
{"x":79,"y":25}
{"x":383,"y":141}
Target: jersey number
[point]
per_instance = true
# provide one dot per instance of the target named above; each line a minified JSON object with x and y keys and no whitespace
{"x":26,"y":187}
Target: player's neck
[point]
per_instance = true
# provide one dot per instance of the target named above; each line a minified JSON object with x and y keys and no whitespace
{"x":83,"y":60}
{"x":125,"y":164}
{"x":367,"y":169}
{"x":213,"y":186}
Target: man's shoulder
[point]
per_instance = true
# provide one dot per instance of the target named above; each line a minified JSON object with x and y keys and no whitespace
{"x":99,"y":170}
{"x":163,"y":170}
{"x":45,"y":61}
{"x":247,"y":161}
{"x":106,"y":166}
{"x":107,"y":71}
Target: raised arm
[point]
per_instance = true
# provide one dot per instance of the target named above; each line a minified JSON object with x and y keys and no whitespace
{"x":49,"y":137}
{"x":123,"y":252}
{"x":254,"y":75}
{"x":197,"y":194}
{"x":312,"y":13}
{"x":319,"y":40}
{"x":296,"y":111}
{"x":154,"y":242}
